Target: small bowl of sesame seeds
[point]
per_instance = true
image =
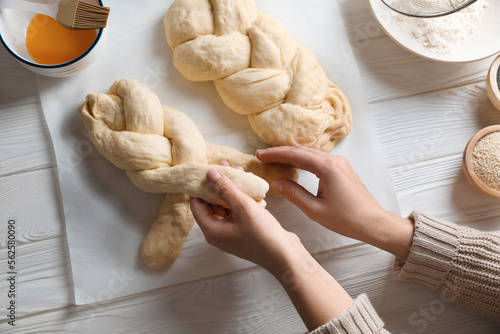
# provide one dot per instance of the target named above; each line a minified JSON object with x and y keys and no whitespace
{"x":481,"y":161}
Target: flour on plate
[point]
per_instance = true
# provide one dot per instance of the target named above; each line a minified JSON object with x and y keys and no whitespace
{"x":444,"y":34}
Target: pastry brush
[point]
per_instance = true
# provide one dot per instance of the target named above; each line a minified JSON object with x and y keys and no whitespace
{"x":72,"y":14}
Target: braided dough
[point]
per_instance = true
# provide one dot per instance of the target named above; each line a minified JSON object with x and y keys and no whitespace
{"x":259,"y":71}
{"x":162,"y":151}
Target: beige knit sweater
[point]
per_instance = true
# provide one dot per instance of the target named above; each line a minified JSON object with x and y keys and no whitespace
{"x":461,"y":262}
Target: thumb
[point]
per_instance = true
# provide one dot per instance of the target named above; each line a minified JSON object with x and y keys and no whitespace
{"x":295,"y":193}
{"x":205,"y":218}
{"x":226,"y":190}
{"x":201,"y":212}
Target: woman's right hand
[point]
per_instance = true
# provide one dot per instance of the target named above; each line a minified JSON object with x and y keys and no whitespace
{"x":342,"y":204}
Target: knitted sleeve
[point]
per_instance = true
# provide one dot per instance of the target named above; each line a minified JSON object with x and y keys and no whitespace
{"x":360,"y":318}
{"x":461,"y":262}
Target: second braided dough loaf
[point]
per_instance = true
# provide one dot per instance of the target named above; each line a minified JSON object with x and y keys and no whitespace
{"x":259,"y":70}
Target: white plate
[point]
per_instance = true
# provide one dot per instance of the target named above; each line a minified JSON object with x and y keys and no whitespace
{"x":482,"y":43}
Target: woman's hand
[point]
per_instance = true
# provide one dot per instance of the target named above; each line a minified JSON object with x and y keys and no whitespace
{"x":247,"y":230}
{"x":343,"y":204}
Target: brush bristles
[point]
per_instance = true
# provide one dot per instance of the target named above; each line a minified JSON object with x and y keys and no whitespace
{"x":90,"y":16}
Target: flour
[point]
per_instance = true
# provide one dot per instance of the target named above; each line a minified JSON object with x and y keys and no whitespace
{"x":444,"y":34}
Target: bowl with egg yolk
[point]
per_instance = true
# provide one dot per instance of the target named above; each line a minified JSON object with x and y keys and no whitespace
{"x":44,"y":46}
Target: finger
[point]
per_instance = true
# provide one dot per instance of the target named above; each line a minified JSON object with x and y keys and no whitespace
{"x":209,"y":223}
{"x":224,"y":163}
{"x":317,"y":152}
{"x":299,"y":157}
{"x":292,"y":148}
{"x":227,"y":191}
{"x":202,"y":212}
{"x":219,"y":210}
{"x":240,"y":168}
{"x":295,"y":193}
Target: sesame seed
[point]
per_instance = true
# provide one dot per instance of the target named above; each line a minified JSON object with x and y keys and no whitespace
{"x":486,"y":160}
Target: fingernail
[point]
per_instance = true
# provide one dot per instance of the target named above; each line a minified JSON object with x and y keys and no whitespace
{"x":278,"y":186}
{"x":258,"y":151}
{"x":213,"y":175}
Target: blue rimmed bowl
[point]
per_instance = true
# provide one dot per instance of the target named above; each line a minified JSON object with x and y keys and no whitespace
{"x":13,"y":26}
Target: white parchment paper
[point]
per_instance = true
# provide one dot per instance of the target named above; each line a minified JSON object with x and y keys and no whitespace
{"x":107,"y":217}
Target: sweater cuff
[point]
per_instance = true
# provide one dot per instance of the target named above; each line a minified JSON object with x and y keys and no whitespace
{"x":431,"y":253}
{"x":357,"y":319}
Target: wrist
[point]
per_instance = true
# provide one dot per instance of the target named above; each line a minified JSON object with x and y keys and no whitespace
{"x":393,"y":234}
{"x":292,"y":262}
{"x":316,"y":295}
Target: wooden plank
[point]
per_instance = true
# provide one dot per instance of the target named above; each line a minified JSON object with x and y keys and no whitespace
{"x":25,"y":142}
{"x":427,"y":126}
{"x":388,"y":71}
{"x":43,"y":280}
{"x":250,"y":301}
{"x":439,"y":187}
{"x":33,"y":201}
{"x":423,"y":138}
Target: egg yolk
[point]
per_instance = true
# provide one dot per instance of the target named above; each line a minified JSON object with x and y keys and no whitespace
{"x":49,"y":43}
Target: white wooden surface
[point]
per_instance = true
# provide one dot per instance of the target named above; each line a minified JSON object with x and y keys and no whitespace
{"x":424,"y":114}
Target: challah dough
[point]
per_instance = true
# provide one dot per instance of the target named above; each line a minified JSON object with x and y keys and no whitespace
{"x":162,"y":151}
{"x":258,"y":70}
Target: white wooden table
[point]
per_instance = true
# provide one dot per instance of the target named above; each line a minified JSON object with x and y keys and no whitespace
{"x":424,"y":113}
